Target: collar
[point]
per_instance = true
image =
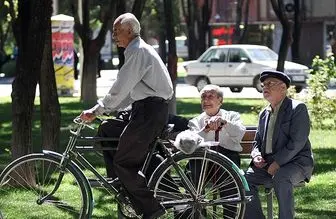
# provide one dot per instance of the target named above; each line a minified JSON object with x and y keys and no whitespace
{"x":276,"y":109}
{"x":132,"y":43}
{"x":219,"y":113}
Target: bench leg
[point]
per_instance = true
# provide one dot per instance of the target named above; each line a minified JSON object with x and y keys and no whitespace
{"x":269,"y":195}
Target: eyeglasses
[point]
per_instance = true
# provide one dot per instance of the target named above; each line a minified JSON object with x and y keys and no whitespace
{"x":270,"y":84}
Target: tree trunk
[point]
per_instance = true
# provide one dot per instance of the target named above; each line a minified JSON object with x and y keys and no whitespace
{"x":30,"y":37}
{"x":285,"y":43}
{"x":246,"y":16}
{"x":90,"y":48}
{"x":204,"y":30}
{"x":192,"y":40}
{"x":138,"y":7}
{"x":162,"y":31}
{"x":50,"y":108}
{"x":296,"y":32}
{"x":286,"y":38}
{"x":236,"y":33}
{"x":89,"y":77}
{"x":121,"y":8}
{"x":172,"y":57}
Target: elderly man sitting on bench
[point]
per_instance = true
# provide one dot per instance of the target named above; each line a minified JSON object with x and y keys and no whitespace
{"x":281,"y":153}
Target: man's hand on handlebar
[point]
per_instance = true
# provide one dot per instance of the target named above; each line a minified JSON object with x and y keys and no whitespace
{"x":87,"y":115}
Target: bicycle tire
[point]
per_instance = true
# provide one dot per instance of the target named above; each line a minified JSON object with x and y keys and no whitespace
{"x":223,"y":197}
{"x":31,"y":177}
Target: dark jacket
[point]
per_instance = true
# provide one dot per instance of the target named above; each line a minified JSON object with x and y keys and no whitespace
{"x":290,"y":138}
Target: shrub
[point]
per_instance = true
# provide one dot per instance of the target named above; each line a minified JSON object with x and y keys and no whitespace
{"x":321,"y":107}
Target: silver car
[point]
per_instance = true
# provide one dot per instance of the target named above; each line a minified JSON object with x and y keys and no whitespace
{"x":239,"y":66}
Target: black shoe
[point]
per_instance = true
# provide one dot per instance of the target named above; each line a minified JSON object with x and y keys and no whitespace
{"x":156,"y":214}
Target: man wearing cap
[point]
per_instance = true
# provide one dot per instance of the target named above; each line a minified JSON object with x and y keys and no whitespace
{"x":281,"y":155}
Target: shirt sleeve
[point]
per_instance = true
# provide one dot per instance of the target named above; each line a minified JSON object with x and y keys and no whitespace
{"x":129,"y":75}
{"x":194,"y":125}
{"x":233,"y":131}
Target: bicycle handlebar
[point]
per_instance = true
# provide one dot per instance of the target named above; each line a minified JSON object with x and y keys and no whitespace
{"x":82,"y":122}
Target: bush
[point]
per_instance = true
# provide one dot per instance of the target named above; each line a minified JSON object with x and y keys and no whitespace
{"x":321,"y":107}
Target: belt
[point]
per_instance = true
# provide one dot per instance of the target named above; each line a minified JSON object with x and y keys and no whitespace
{"x":154,"y":99}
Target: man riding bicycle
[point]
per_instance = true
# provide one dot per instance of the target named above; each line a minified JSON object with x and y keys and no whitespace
{"x":144,"y":82}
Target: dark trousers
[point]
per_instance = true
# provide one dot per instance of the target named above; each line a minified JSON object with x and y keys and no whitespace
{"x":111,"y":128}
{"x":148,"y":118}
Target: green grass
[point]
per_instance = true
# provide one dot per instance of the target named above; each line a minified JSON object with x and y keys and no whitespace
{"x":315,"y":200}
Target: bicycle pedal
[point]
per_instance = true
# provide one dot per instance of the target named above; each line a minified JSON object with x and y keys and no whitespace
{"x":123,"y":199}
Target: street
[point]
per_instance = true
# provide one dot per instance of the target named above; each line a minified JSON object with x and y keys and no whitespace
{"x":182,"y":90}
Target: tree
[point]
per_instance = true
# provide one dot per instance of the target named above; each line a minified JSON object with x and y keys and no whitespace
{"x":91,"y":47}
{"x":138,"y":8}
{"x":239,"y":36}
{"x":197,"y":15}
{"x":29,"y":29}
{"x":297,"y":31}
{"x":287,"y":28}
{"x":172,"y":57}
{"x":49,"y":105}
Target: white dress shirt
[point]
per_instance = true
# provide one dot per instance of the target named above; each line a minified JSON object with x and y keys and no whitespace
{"x":142,"y":75}
{"x":229,"y":136}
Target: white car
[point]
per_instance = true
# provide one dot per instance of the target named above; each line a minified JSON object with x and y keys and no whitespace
{"x":238,"y":66}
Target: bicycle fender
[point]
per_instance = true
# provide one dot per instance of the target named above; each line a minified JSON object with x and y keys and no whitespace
{"x":59,"y":156}
{"x":241,"y":174}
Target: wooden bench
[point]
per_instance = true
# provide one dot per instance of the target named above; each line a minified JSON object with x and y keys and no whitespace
{"x":246,"y":144}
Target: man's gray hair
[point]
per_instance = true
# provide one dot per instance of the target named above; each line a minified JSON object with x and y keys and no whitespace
{"x":130,"y":20}
{"x":213,"y":87}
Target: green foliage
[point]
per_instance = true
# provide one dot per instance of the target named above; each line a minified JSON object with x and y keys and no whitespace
{"x":321,"y":107}
{"x":6,"y":20}
{"x":291,"y":93}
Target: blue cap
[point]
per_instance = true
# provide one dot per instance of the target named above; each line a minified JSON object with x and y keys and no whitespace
{"x":275,"y":74}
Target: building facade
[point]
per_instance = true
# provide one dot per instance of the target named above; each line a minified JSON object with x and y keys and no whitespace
{"x":318,"y":25}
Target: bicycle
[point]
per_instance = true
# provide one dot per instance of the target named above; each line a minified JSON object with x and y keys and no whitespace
{"x":43,"y":181}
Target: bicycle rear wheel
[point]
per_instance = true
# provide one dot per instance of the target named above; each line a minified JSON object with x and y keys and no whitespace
{"x":215,"y":190}
{"x":29,"y":178}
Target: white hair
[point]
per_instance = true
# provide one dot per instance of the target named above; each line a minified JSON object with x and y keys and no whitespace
{"x":213,"y":87}
{"x":130,"y":20}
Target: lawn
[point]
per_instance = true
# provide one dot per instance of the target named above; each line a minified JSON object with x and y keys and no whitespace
{"x":315,"y":200}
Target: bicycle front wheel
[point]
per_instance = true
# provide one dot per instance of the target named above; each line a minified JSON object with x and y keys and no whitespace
{"x":212,"y":189}
{"x":27,"y":179}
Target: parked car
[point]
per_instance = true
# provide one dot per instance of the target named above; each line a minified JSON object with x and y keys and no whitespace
{"x":238,"y":66}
